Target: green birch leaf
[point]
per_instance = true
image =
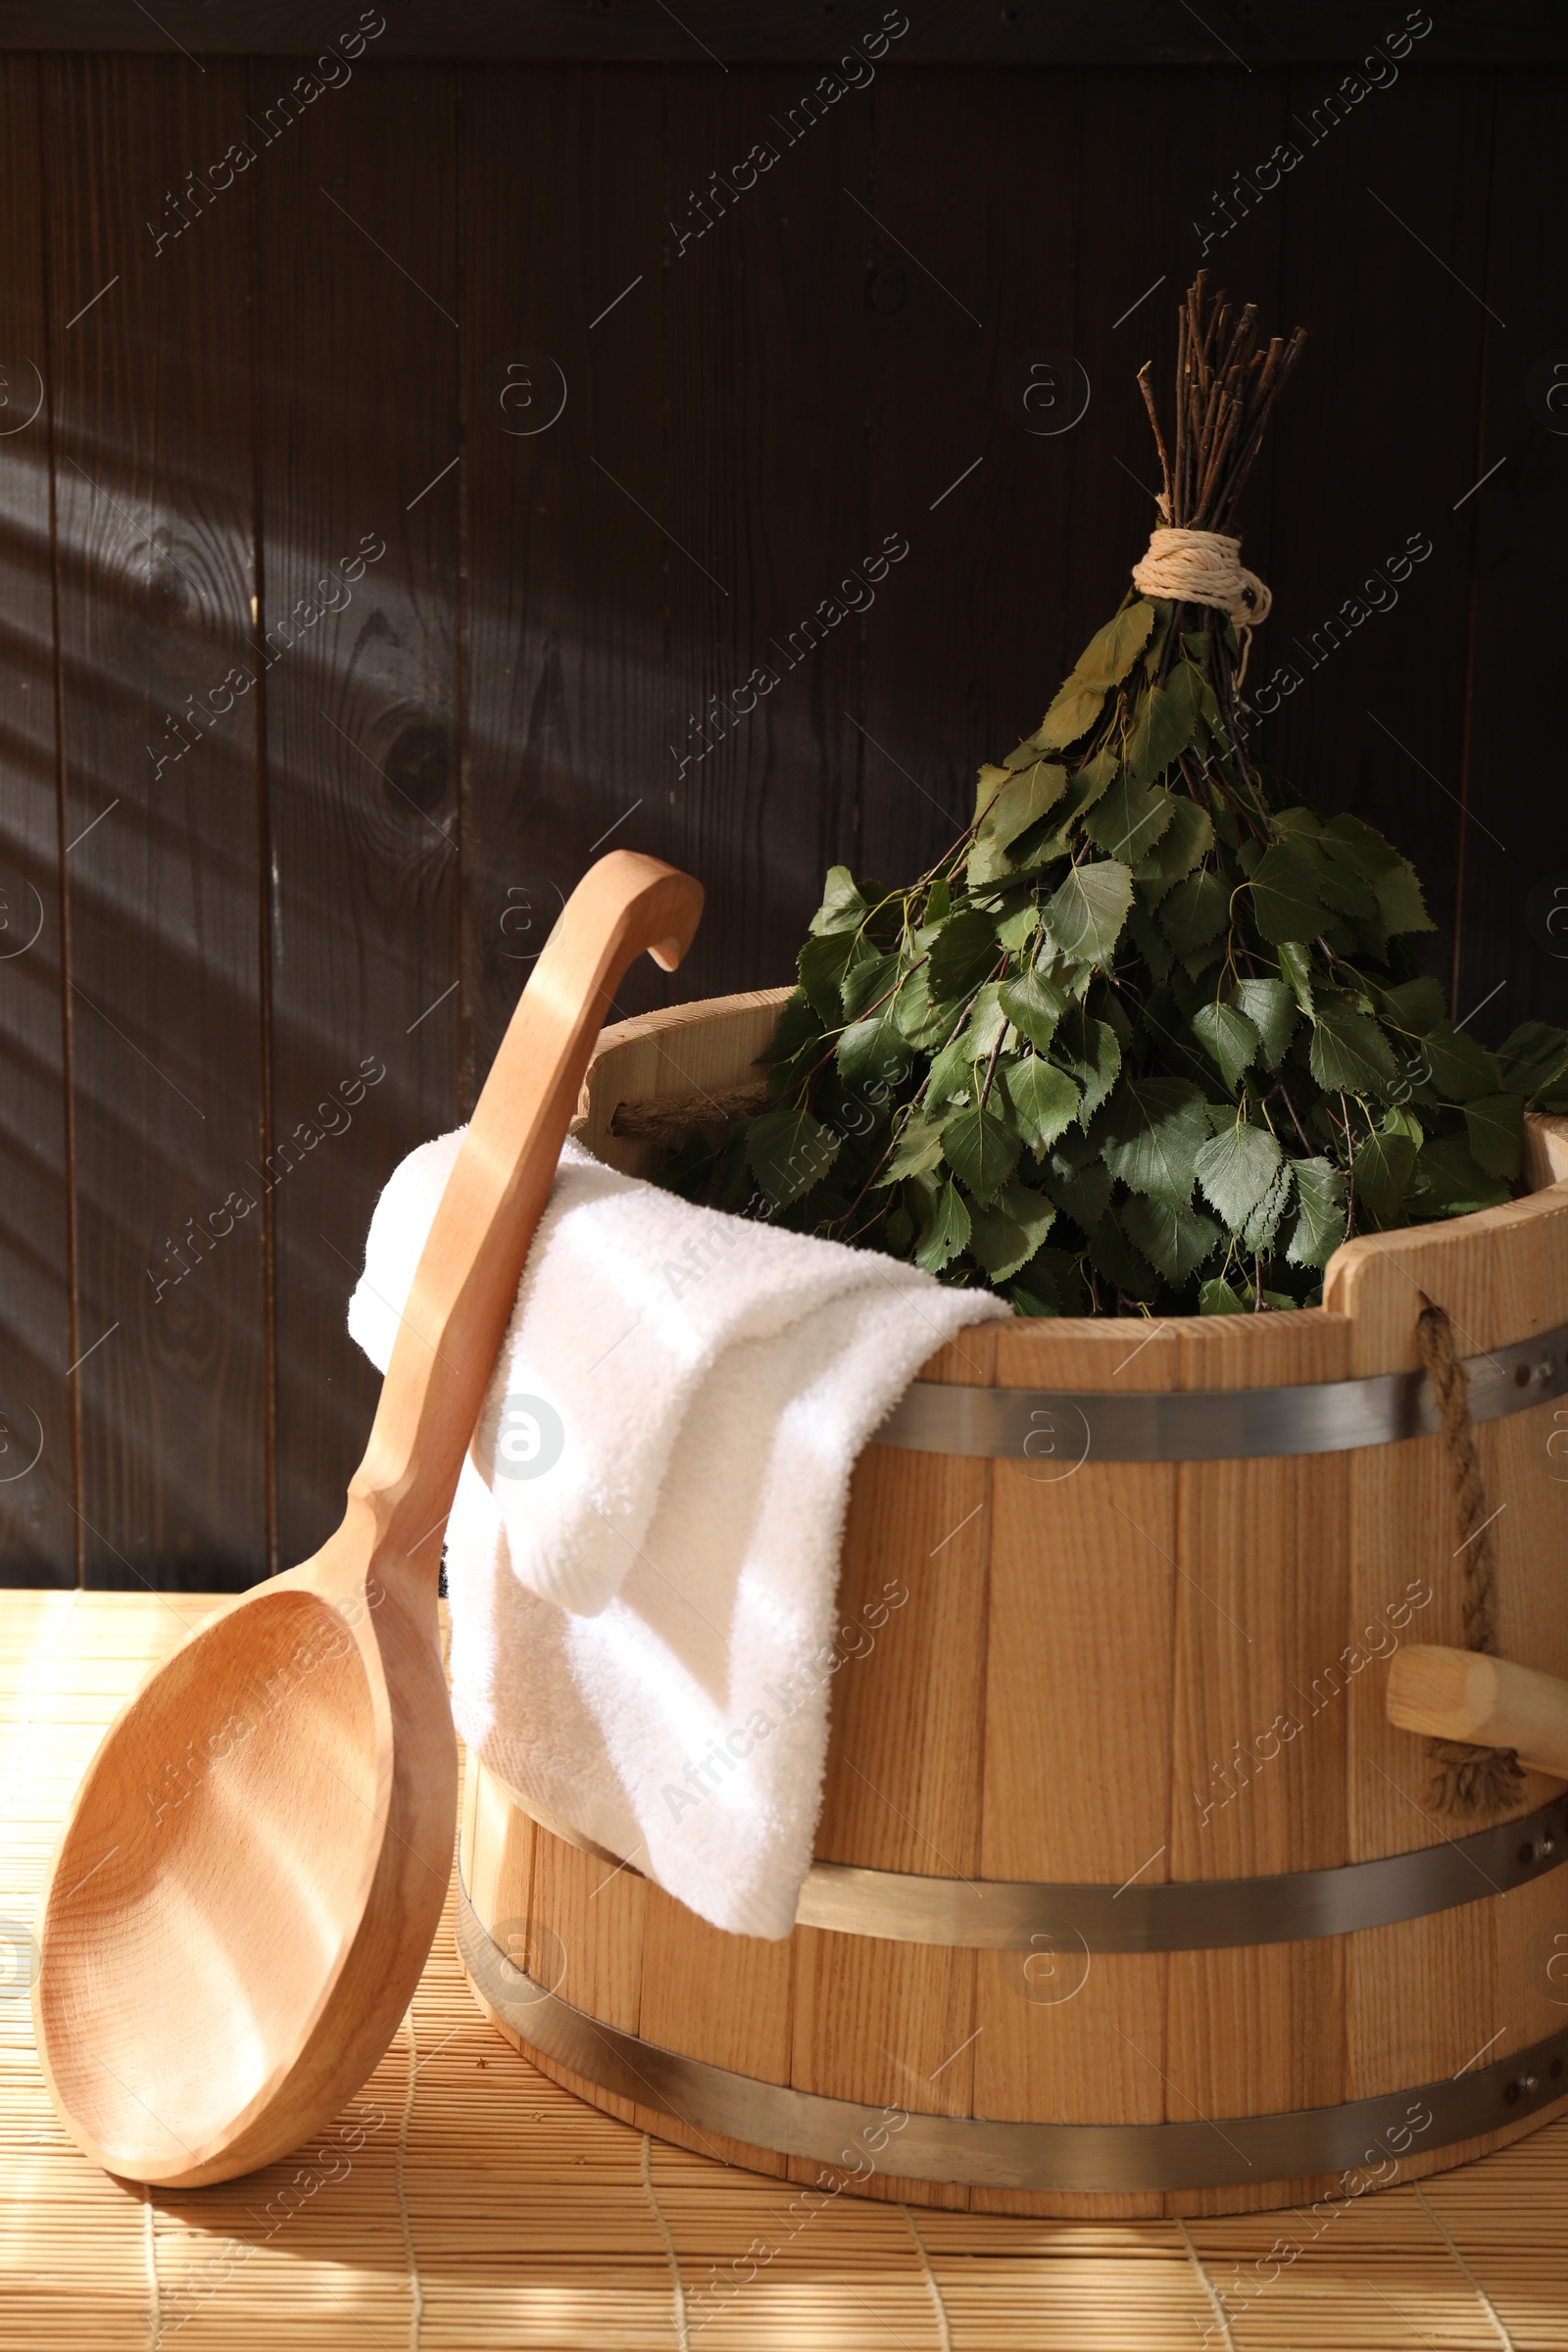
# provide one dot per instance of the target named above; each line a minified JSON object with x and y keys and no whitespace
{"x":1460,"y":1069}
{"x":1399,"y":900}
{"x":1045,"y":1100}
{"x":1153,"y":1131}
{"x":799,"y":1032}
{"x":1006,"y":1236}
{"x":1091,"y":1051}
{"x":944,"y":1223}
{"x":1236,"y":1169}
{"x":988,"y":784}
{"x":1496,"y":1126}
{"x":1189,"y":690}
{"x":1349,"y":1051}
{"x":1022,"y":800}
{"x":919,"y":1150}
{"x":1085,"y":916}
{"x":1258,"y":1234}
{"x":1342,"y":886}
{"x":1383,"y":1166}
{"x":1070,"y":716}
{"x":923,"y":1023}
{"x":1131,"y":818}
{"x":789,"y":1152}
{"x":1393,"y":879}
{"x":1194,"y":912}
{"x":1228,"y":1039}
{"x":874,"y":1053}
{"x":1213,"y":722}
{"x":1162,"y":727}
{"x":1295,"y":965}
{"x":1175,"y":1240}
{"x":953,"y":1070}
{"x":982,"y":1149}
{"x":1034,"y":1005}
{"x":842,"y":908}
{"x":1148,"y":941}
{"x":1285,"y":899}
{"x":1419,"y":1006}
{"x":1185,"y":840}
{"x":952,"y":1075}
{"x":1448,"y":1184}
{"x":1114,"y":1253}
{"x":1216,"y":1298}
{"x":1270,"y":1007}
{"x":867,"y":979}
{"x":1079,"y":1183}
{"x":1096,"y":776}
{"x":1202,"y":960}
{"x":1015,"y":931}
{"x":1111,"y":652}
{"x":822,"y":962}
{"x":1319,"y":1226}
{"x":1533,"y":1059}
{"x":1047,"y":1284}
{"x":986,"y":1021}
{"x":964,"y":953}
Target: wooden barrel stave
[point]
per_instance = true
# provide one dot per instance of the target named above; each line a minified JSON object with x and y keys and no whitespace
{"x":943,"y":1744}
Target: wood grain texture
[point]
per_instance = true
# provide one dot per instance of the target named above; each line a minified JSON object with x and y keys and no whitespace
{"x":150,"y":357}
{"x":754,"y":779}
{"x":1108,"y":1672}
{"x":1386,"y":192}
{"x":565,"y":651}
{"x":961,"y":284}
{"x":356,"y":271}
{"x":37,"y":1523}
{"x":733,"y":30}
{"x":1516,"y":839}
{"x":877,"y":2020}
{"x":1084,"y":1575}
{"x":1258,"y":1762}
{"x":1135,"y":255}
{"x":671,"y":1056}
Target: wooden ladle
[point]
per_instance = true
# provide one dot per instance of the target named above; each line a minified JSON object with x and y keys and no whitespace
{"x":251,"y":1873}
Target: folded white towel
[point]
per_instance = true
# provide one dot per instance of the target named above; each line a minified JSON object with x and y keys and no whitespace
{"x":643,"y":1553}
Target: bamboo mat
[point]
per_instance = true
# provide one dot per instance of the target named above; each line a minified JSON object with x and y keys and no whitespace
{"x":466,"y":2204}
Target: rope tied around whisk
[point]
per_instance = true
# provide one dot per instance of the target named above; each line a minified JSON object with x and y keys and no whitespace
{"x":1465,"y":1778}
{"x":1205,"y":567}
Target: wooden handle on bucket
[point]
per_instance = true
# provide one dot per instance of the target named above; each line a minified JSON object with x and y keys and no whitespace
{"x":1461,"y":1694}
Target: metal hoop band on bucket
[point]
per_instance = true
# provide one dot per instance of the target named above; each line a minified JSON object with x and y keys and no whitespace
{"x":1217,"y":1425}
{"x":1183,"y":1915}
{"x":1220,"y":2154}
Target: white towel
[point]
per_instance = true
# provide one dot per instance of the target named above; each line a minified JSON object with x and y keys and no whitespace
{"x":643,"y":1553}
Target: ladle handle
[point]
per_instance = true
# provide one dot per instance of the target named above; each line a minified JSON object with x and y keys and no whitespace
{"x":466,"y":1280}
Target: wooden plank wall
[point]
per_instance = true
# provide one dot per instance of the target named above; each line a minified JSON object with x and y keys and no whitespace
{"x":302,"y":464}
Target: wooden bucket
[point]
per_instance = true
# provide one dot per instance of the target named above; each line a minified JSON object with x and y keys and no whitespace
{"x":1092,"y":1930}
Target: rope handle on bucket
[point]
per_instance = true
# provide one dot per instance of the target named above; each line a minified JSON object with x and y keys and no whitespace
{"x":1465,"y":1778}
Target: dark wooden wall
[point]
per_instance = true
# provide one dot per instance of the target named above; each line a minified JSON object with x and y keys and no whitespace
{"x":346,"y":871}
